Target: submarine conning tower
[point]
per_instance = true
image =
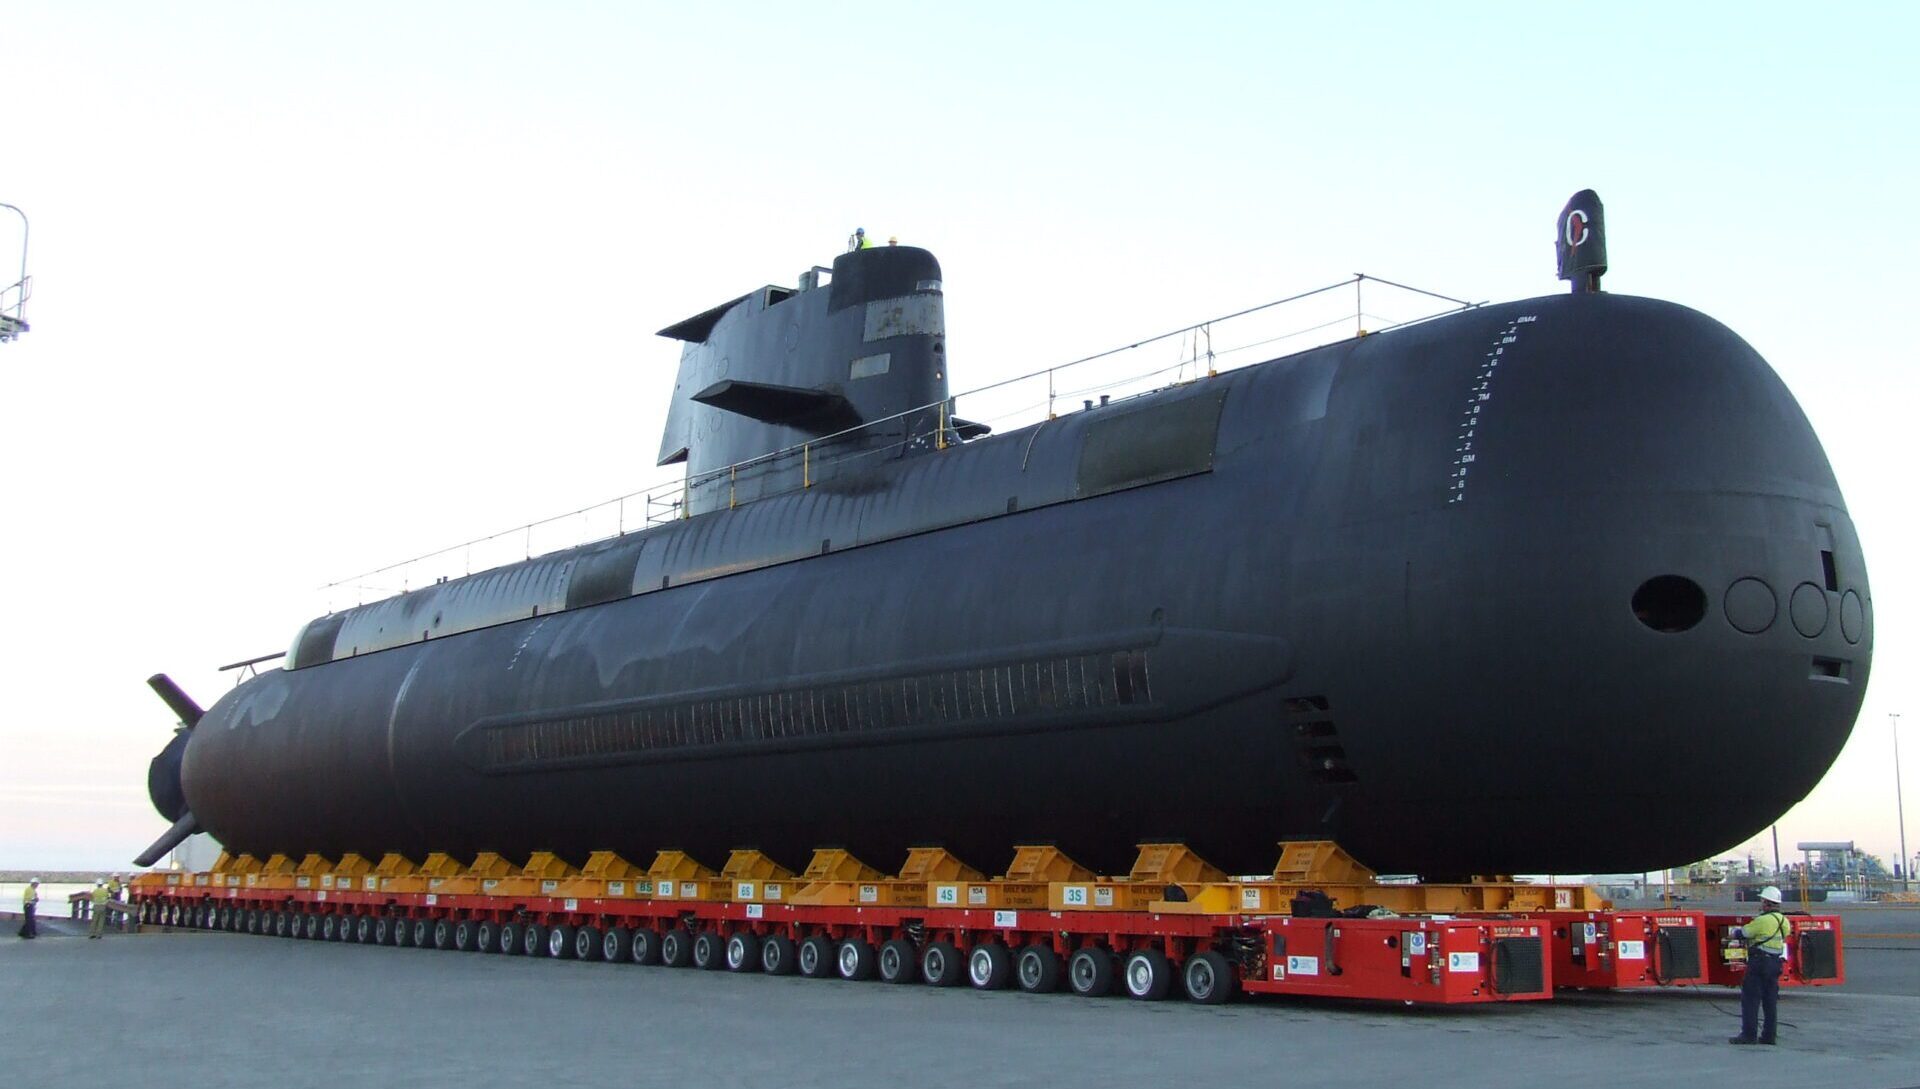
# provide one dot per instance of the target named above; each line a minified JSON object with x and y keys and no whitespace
{"x":778,"y":384}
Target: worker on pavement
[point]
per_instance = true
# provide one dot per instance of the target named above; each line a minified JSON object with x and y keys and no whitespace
{"x":114,"y":888}
{"x":98,"y":924}
{"x":29,"y":904}
{"x":1765,"y":936}
{"x":858,"y":240}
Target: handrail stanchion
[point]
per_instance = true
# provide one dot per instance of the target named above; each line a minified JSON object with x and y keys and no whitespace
{"x":733,"y":477}
{"x":806,"y":465}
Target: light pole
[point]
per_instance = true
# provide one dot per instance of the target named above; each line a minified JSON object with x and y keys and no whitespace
{"x":1900,"y":805}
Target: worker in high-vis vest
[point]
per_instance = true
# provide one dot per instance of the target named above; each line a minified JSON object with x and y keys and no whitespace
{"x":858,"y":240}
{"x":114,"y":888}
{"x":98,"y":925}
{"x":1765,"y":936}
{"x":29,"y":905}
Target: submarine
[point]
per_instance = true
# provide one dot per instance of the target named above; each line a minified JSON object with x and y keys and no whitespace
{"x":1564,"y":584}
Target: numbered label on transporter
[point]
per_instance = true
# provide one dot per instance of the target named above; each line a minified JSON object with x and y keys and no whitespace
{"x":1074,"y":896}
{"x":743,"y":890}
{"x":616,"y":888}
{"x":869,"y":894}
{"x":771,"y":891}
{"x":946,"y":894}
{"x":1633,"y":950}
{"x":1463,"y":962}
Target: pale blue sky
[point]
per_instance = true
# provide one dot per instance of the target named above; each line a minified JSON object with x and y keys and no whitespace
{"x":325,"y":287}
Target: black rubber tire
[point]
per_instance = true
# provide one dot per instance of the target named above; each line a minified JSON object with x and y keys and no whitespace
{"x":586,"y":942}
{"x":253,"y":921}
{"x":363,"y":929}
{"x":1147,"y":975}
{"x":855,"y":959}
{"x":420,"y":935}
{"x":560,"y":941}
{"x":1090,"y":972}
{"x":486,"y":936}
{"x":646,"y":946}
{"x":941,"y":964}
{"x":329,"y":927}
{"x":815,"y":957}
{"x":383,"y":930}
{"x":676,"y":948}
{"x":466,"y":935}
{"x":709,"y":951}
{"x":443,"y":934}
{"x":743,"y":951}
{"x":899,"y":962}
{"x":989,"y":966}
{"x":1208,"y":979}
{"x":616,"y":945}
{"x":533,"y":940}
{"x":310,"y":927}
{"x":513,"y":938}
{"x":1037,"y":969}
{"x":777,"y":955}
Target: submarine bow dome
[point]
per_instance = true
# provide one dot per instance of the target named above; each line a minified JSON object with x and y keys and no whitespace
{"x":1557,"y":585}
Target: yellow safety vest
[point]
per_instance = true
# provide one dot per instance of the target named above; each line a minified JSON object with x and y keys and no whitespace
{"x":30,"y":897}
{"x":99,"y":895}
{"x":1768,"y":931}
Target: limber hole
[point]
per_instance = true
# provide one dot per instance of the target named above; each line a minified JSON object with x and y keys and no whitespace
{"x":1829,"y":669}
{"x":1827,"y":569}
{"x":1669,"y":603}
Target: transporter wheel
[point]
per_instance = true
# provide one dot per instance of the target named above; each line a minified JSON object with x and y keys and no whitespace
{"x":815,"y":957}
{"x":310,"y":926}
{"x":899,"y":962}
{"x":940,"y":964}
{"x":363,"y":929}
{"x":709,"y":952}
{"x":777,"y":955}
{"x":1090,"y":972}
{"x":616,"y":945}
{"x":856,"y":959}
{"x":587,"y":943}
{"x":533,"y":940}
{"x":676,"y":948}
{"x":1037,"y":969}
{"x":1149,"y":975}
{"x":422,"y":934}
{"x":512,"y":938}
{"x":251,"y":923}
{"x":989,"y":966}
{"x":1209,"y":979}
{"x":222,"y":919}
{"x":330,"y":927}
{"x":560,"y":941}
{"x":743,"y":951}
{"x":486,"y":936}
{"x":466,"y":935}
{"x":646,"y":946}
{"x":443,"y":934}
{"x":402,"y":932}
{"x":382,"y":930}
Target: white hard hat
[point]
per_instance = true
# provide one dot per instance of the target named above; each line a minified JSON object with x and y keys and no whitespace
{"x":97,"y":882}
{"x":1771,"y":894}
{"x":35,"y":881}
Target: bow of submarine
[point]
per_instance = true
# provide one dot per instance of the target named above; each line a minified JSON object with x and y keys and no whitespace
{"x":1632,"y":630}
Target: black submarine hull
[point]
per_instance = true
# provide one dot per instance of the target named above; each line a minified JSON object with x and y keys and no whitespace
{"x":1559,"y":585}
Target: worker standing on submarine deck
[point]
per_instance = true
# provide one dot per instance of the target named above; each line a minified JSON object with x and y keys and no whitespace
{"x":858,"y":240}
{"x":1766,"y":938}
{"x":29,"y":904}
